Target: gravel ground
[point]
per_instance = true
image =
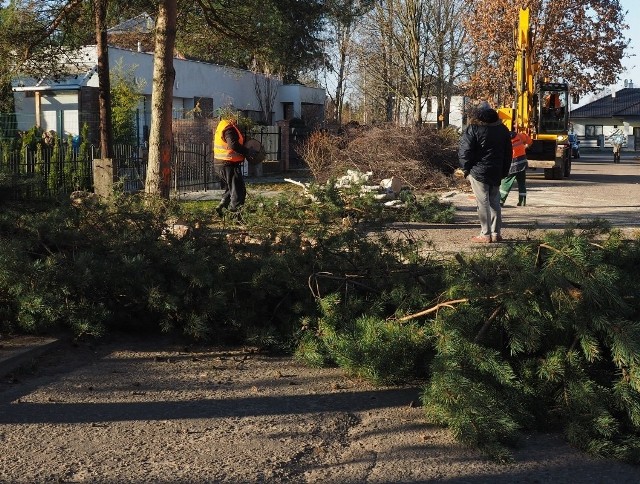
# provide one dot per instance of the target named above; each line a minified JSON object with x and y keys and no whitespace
{"x":133,"y":410}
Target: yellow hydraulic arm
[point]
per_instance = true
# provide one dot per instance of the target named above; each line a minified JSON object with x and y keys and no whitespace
{"x":519,"y":116}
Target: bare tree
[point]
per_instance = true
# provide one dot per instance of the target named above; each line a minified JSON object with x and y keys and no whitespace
{"x":580,"y":41}
{"x":412,"y":41}
{"x":379,"y":79}
{"x":449,"y":52}
{"x":161,"y":136}
{"x":395,"y":58}
{"x":266,"y":89}
{"x":342,"y":23}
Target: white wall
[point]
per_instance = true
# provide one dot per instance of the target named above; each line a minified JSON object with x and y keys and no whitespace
{"x":607,"y":129}
{"x":431,"y":117}
{"x":58,"y":112}
{"x":226,"y":86}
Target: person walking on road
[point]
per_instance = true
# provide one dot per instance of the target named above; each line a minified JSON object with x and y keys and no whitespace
{"x":485,"y":158}
{"x":517,"y":170}
{"x":229,"y":149}
{"x":617,"y":140}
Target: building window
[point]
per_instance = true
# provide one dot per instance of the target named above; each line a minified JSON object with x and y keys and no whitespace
{"x":429,"y":105}
{"x":205,"y":105}
{"x":592,"y":131}
{"x":288,"y":111}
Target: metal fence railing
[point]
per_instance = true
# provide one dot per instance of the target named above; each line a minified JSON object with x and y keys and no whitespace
{"x":46,"y":173}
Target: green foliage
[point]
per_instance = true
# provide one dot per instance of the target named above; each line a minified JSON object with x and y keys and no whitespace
{"x":427,"y":209}
{"x":126,"y":93}
{"x":352,"y":204}
{"x":230,"y":112}
{"x":54,"y":177}
{"x":354,"y":335}
{"x":81,"y":175}
{"x":549,"y":339}
{"x":69,"y":166}
{"x":381,"y":351}
{"x":284,"y":37}
{"x":542,"y":335}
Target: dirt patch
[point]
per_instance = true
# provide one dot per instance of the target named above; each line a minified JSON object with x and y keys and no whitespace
{"x":153,"y":411}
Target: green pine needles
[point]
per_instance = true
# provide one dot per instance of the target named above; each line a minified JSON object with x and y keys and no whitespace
{"x":547,"y":339}
{"x":534,"y":336}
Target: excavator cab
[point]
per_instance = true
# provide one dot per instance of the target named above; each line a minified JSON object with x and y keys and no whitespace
{"x":554,"y":115}
{"x":550,"y":121}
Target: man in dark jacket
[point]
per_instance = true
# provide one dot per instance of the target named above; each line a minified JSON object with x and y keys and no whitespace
{"x":485,"y":158}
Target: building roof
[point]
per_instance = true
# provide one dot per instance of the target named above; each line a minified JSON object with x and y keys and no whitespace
{"x":625,"y":104}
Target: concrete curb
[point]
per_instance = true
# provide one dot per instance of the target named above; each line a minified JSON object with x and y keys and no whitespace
{"x":19,"y":351}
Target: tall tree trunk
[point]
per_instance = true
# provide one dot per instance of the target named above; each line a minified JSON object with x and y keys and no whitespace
{"x":104,"y":83}
{"x":161,"y":136}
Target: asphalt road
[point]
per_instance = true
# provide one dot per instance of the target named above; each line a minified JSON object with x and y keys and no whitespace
{"x":597,"y":188}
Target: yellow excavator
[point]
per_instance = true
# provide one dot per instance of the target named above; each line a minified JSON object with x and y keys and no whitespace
{"x":540,"y":108}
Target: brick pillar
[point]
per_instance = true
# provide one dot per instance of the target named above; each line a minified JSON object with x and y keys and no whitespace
{"x":285,"y":133}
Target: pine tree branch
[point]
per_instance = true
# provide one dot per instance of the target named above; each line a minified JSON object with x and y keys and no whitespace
{"x":448,"y":304}
{"x":573,"y":344}
{"x":313,"y":281}
{"x":51,"y":28}
{"x":487,"y":323}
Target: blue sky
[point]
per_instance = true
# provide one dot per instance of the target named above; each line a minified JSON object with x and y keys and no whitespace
{"x":632,"y":64}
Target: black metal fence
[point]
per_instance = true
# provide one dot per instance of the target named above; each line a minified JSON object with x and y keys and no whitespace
{"x":46,"y":171}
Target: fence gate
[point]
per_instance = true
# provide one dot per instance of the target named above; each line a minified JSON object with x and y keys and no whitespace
{"x":193,"y":169}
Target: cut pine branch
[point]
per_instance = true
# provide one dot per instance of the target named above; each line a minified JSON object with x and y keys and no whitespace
{"x":445,"y":304}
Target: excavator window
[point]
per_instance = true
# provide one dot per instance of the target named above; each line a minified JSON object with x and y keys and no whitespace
{"x":553,"y":116}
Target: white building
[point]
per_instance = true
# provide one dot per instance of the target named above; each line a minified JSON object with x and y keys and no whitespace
{"x":430,"y":109}
{"x":65,"y":104}
{"x":618,"y":112}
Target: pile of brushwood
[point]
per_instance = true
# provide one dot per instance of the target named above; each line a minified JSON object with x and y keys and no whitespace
{"x":423,"y":158}
{"x":538,"y":335}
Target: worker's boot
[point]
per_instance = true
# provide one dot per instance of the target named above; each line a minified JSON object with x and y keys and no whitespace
{"x":522,"y":200}
{"x":219,"y":210}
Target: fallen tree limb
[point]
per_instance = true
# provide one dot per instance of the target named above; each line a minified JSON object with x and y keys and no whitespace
{"x":487,"y":323}
{"x":447,"y":304}
{"x":347,"y":278}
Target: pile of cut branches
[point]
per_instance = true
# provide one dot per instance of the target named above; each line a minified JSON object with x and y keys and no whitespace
{"x":539,"y":337}
{"x":423,"y":158}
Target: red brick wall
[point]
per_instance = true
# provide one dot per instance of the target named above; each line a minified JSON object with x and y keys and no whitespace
{"x":197,"y":130}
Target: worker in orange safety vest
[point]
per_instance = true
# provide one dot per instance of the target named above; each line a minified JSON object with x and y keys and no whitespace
{"x":229,"y":149}
{"x":518,"y":169}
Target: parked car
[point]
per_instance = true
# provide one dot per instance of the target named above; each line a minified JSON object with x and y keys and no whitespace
{"x":574,"y":144}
